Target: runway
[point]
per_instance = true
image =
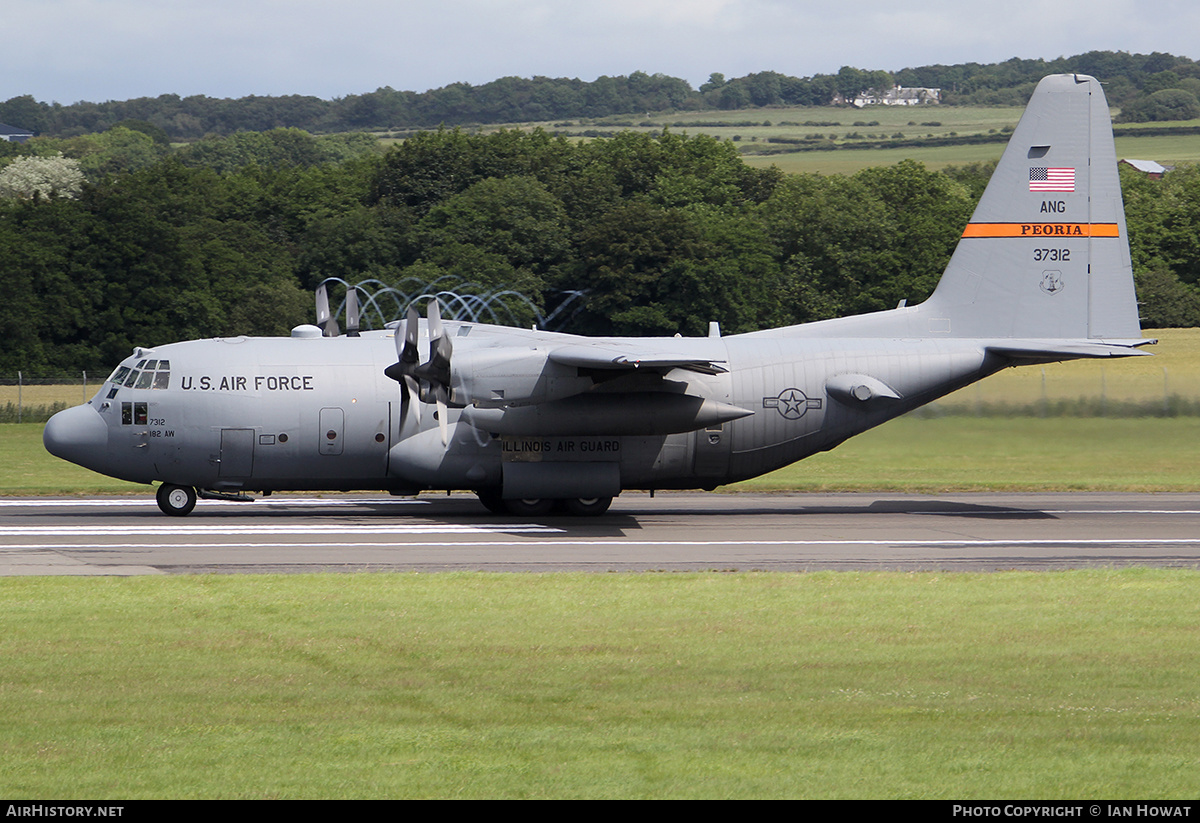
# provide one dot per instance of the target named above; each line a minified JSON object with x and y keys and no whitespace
{"x":668,"y":532}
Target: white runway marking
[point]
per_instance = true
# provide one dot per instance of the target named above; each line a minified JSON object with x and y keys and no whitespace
{"x":1027,"y":512}
{"x":161,"y":531}
{"x":122,"y":502}
{"x":948,"y":544}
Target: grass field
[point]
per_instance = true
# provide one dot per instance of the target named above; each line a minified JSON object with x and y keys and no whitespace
{"x":874,"y":123}
{"x":967,"y":454}
{"x":1166,"y":150}
{"x":848,"y":162}
{"x":826,"y":685}
{"x":35,"y":395}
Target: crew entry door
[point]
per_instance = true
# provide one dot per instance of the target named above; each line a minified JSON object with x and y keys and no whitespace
{"x":237,"y":453}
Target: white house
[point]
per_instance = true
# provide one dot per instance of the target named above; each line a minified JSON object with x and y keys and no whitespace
{"x":1150,"y":168}
{"x":14,"y":135}
{"x":898,"y":96}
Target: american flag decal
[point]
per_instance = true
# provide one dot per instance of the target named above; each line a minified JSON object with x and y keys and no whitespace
{"x":1043,"y":179}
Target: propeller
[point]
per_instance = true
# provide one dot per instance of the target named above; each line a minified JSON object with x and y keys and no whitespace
{"x":435,"y":372}
{"x":407,"y":359}
{"x":326,"y":319}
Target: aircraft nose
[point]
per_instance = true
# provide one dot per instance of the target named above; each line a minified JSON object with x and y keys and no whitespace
{"x":77,"y":434}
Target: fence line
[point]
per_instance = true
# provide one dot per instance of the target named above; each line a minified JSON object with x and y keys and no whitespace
{"x":1097,"y":392}
{"x":34,"y":399}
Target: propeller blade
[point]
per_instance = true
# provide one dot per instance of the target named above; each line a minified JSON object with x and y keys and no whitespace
{"x":434,"y":311}
{"x":407,"y":351}
{"x":325,"y":320}
{"x":352,"y":314}
{"x":437,"y":370}
{"x":443,"y":426}
{"x":414,"y":395}
{"x":407,"y":358}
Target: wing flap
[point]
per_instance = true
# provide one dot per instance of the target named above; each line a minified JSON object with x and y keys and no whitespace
{"x":610,"y":357}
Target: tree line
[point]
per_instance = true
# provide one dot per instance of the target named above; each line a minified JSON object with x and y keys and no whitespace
{"x":1147,"y":87}
{"x":663,"y":233}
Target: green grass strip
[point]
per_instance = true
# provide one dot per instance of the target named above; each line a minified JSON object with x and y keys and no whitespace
{"x":826,"y":685}
{"x":1004,"y":454}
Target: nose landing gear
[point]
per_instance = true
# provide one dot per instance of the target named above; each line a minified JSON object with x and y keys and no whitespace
{"x":176,"y":501}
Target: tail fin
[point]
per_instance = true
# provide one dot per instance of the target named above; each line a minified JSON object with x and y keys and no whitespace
{"x":1046,"y":253}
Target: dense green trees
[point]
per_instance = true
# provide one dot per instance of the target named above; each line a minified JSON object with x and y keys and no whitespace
{"x":1164,"y":229}
{"x":663,"y":232}
{"x":1168,"y":104}
{"x":1132,"y":79}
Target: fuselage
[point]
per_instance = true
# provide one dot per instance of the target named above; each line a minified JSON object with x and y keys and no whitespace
{"x":309,"y":413}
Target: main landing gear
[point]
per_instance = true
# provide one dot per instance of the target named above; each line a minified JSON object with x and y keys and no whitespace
{"x":538,"y":506}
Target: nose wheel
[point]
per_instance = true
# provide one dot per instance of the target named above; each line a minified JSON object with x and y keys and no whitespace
{"x":176,"y":501}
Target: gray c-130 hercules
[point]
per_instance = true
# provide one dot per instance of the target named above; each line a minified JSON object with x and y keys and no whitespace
{"x":530,"y":419}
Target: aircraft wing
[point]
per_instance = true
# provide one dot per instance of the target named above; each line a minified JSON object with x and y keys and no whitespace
{"x":613,"y":357}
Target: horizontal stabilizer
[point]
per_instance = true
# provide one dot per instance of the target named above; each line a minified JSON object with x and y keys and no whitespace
{"x":1052,"y":351}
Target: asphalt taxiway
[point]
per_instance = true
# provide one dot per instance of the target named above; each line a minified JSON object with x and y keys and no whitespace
{"x":728,"y":532}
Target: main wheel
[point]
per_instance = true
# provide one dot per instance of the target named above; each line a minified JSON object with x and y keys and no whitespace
{"x":176,"y":501}
{"x":586,"y":506}
{"x":529,"y":506}
{"x":491,"y":500}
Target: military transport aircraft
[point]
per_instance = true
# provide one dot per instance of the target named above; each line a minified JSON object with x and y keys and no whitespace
{"x":530,"y":420}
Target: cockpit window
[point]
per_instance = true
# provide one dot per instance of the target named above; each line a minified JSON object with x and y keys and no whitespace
{"x":148,"y":374}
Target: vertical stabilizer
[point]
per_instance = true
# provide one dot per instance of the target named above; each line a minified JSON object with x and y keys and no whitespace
{"x":1046,"y":253}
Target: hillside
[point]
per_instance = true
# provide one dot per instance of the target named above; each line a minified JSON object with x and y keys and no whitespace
{"x":1151,"y":87}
